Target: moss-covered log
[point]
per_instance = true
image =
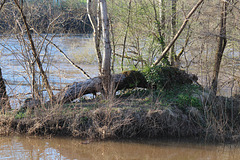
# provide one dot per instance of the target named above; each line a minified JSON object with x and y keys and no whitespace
{"x":167,"y":77}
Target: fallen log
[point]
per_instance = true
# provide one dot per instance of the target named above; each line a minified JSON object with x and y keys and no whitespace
{"x":128,"y":79}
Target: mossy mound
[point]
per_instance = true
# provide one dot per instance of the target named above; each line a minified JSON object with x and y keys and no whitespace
{"x":167,"y":77}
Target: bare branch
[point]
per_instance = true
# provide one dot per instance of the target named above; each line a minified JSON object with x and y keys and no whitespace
{"x":4,"y":1}
{"x":65,"y":56}
{"x":43,"y":74}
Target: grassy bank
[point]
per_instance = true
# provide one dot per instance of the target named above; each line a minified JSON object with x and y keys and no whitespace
{"x":179,"y":112}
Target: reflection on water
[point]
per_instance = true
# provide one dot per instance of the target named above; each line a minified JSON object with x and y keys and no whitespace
{"x":63,"y":148}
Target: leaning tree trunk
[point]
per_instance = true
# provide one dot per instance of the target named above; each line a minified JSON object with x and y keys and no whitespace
{"x":178,"y":33}
{"x":34,"y":52}
{"x":222,"y":41}
{"x":1,"y":6}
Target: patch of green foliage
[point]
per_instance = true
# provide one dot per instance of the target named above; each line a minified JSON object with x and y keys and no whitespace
{"x":20,"y":115}
{"x":165,"y":77}
{"x":182,"y":96}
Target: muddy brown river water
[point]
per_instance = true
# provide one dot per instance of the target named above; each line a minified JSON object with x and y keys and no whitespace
{"x":34,"y":148}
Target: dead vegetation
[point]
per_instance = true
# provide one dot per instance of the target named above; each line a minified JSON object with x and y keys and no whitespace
{"x":132,"y":115}
{"x":105,"y":122}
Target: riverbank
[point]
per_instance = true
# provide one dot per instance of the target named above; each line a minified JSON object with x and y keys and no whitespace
{"x":136,"y":114}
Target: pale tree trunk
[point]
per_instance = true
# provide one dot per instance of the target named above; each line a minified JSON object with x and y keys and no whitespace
{"x":121,"y":81}
{"x":222,"y":41}
{"x":94,"y":15}
{"x":172,"y":54}
{"x":106,"y":71}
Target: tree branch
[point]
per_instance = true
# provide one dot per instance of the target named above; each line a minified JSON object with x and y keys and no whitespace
{"x":2,"y":4}
{"x":65,"y":56}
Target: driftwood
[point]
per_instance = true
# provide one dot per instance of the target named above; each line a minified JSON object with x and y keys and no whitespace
{"x":129,"y":79}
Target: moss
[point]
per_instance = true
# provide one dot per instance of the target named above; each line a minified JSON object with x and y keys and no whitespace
{"x":135,"y":79}
{"x":182,"y":96}
{"x":165,"y":77}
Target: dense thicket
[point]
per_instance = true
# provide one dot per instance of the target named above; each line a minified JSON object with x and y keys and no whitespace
{"x":47,"y":17}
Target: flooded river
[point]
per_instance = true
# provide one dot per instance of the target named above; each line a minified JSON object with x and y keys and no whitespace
{"x":15,"y":62}
{"x":32,"y":148}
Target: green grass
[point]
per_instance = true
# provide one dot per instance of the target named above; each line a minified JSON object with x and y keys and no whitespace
{"x":182,"y":96}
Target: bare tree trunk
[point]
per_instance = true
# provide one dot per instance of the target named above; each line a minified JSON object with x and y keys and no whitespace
{"x":163,"y":21}
{"x":106,"y":71}
{"x":160,"y":24}
{"x":34,"y":52}
{"x":172,"y":54}
{"x":35,"y":92}
{"x":97,"y":27}
{"x":126,"y":33}
{"x":114,"y":46}
{"x":222,"y":41}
